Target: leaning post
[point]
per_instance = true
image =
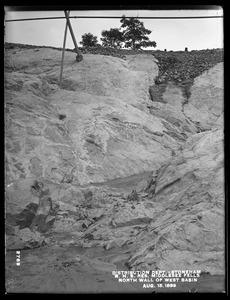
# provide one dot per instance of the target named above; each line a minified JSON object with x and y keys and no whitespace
{"x":79,"y":56}
{"x":63,"y":50}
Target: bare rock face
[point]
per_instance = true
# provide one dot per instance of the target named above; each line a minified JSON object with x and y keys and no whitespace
{"x":189,"y":230}
{"x":101,"y":161}
{"x":93,"y":127}
{"x":205,"y":104}
{"x":178,"y":220}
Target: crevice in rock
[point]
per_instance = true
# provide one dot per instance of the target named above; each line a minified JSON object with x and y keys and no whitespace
{"x":186,"y":91}
{"x":166,"y":186}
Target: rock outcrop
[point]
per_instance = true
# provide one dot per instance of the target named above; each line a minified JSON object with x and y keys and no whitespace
{"x":189,"y":229}
{"x":109,"y":159}
{"x":84,"y":130}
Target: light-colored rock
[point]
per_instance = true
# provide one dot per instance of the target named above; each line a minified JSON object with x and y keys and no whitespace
{"x":188,"y":233}
{"x":107,"y":132}
{"x":181,"y":225}
{"x":205,"y":104}
{"x":144,"y":63}
{"x":86,"y":138}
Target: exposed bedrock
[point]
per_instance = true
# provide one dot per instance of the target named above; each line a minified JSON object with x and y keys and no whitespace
{"x":109,"y":159}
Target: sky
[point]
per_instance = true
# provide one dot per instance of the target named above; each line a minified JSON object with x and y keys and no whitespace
{"x":195,"y":34}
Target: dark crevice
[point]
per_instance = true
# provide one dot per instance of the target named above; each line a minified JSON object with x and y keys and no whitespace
{"x":167,"y":185}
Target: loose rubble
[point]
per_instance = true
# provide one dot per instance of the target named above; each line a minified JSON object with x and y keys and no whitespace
{"x":184,"y":66}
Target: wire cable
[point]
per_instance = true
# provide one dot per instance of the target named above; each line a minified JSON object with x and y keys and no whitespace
{"x":112,"y":17}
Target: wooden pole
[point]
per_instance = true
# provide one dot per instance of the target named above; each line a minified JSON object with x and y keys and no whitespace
{"x":63,"y":51}
{"x":80,"y":56}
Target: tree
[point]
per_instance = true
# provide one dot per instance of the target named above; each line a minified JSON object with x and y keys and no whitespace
{"x":88,"y":40}
{"x":135,"y":33}
{"x":112,"y":38}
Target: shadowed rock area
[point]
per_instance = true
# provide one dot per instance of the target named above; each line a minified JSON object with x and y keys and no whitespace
{"x":110,"y":171}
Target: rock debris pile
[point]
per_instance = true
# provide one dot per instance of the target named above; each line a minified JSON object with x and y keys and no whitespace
{"x":182,"y":66}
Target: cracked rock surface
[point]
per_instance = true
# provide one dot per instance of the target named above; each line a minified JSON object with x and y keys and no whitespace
{"x":104,"y":172}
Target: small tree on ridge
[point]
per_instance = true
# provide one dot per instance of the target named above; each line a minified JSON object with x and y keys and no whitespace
{"x":112,"y":38}
{"x":88,"y":40}
{"x":135,"y":33}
